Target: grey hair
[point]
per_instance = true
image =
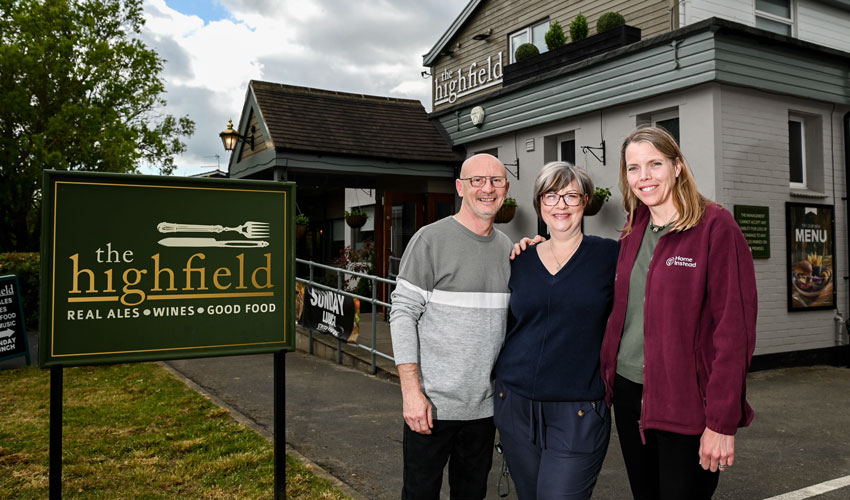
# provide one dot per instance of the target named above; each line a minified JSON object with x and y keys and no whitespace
{"x":557,"y":175}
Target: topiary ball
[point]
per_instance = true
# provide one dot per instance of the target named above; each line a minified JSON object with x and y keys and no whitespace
{"x":609,"y":21}
{"x":525,"y":51}
{"x":578,"y":28}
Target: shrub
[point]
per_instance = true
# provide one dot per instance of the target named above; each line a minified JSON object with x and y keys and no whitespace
{"x":301,"y":219}
{"x":578,"y":28}
{"x":609,"y":21}
{"x":555,"y":37}
{"x":525,"y":51}
{"x":26,"y":266}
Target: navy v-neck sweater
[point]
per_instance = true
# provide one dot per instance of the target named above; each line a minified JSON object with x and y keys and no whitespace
{"x":556,"y":324}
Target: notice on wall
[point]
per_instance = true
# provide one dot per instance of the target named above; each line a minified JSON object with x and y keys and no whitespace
{"x":755,"y":224}
{"x":811,"y":251}
{"x":327,"y":311}
{"x":146,"y":268}
{"x":13,"y":332}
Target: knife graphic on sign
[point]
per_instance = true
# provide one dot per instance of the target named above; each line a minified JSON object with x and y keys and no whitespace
{"x":212,"y":242}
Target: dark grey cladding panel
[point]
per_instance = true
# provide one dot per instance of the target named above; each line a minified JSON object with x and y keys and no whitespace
{"x":698,"y":58}
{"x":586,"y":88}
{"x":786,"y":71}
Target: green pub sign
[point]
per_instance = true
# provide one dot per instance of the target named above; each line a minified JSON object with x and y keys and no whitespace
{"x":140,"y":268}
{"x":755,"y":224}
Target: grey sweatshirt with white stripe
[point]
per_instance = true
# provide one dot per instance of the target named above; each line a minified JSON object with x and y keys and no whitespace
{"x":449,"y":314}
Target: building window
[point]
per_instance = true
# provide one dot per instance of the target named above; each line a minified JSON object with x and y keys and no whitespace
{"x":535,"y":34}
{"x":797,"y":151}
{"x":668,"y":120}
{"x":805,"y":152}
{"x":776,"y":16}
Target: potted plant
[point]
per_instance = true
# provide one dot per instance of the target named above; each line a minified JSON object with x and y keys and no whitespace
{"x":578,"y":28}
{"x":555,"y":37}
{"x":356,"y":218}
{"x":507,"y":212}
{"x":597,"y":199}
{"x":609,"y":21}
{"x":525,"y":51}
{"x":301,"y":222}
{"x":612,"y":33}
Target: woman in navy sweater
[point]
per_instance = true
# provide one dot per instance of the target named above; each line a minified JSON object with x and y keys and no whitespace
{"x":550,"y":406}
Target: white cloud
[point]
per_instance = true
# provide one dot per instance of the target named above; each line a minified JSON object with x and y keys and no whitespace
{"x":367,"y":46}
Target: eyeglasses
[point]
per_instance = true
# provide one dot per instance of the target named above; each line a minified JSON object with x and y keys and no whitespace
{"x":571,"y":199}
{"x":479,"y":181}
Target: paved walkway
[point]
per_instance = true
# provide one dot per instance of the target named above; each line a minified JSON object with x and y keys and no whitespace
{"x":349,"y":423}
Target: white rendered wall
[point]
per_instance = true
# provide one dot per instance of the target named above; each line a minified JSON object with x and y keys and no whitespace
{"x":736,"y":141}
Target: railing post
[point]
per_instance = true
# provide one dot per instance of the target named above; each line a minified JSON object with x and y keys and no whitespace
{"x":374,"y":327}
{"x":310,"y":330}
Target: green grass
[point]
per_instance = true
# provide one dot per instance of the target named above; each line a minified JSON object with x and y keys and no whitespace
{"x":135,"y":431}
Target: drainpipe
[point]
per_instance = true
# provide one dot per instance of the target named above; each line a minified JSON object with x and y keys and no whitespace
{"x":844,"y":338}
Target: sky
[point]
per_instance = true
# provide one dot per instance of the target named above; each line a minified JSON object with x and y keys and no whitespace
{"x":213,"y":48}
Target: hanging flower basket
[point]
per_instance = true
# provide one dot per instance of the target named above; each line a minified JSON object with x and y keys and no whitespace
{"x":356,"y":220}
{"x":594,"y":205}
{"x":300,"y":230}
{"x":507,"y":212}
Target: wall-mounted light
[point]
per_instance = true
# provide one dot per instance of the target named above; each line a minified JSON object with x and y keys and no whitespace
{"x":483,"y":36}
{"x":425,"y":74}
{"x":230,"y":137}
{"x":477,"y":116}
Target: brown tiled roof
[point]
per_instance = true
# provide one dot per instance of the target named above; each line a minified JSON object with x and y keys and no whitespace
{"x":324,"y":121}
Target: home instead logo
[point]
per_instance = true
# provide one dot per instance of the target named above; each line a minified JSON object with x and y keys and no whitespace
{"x":449,"y":85}
{"x":681,"y":262}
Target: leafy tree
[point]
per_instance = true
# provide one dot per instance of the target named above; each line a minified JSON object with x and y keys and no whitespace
{"x":79,"y":91}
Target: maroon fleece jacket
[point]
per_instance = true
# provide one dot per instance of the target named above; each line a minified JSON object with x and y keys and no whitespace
{"x":699,"y":325}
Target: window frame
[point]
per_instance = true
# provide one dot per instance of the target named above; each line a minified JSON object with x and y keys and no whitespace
{"x":528,"y":31}
{"x":802,"y":121}
{"x":790,"y":21}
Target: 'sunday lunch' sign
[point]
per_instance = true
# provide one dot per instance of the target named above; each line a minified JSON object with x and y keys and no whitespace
{"x":138,"y":268}
{"x":452,"y":84}
{"x":13,"y":332}
{"x":327,"y":311}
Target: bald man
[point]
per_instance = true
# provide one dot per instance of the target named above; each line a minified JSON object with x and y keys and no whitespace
{"x":448,"y":320}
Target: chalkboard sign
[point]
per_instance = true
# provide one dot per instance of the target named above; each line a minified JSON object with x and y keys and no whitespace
{"x":13,"y":331}
{"x":755,"y":224}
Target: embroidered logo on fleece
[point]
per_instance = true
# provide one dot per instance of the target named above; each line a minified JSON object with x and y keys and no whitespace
{"x":680,"y":261}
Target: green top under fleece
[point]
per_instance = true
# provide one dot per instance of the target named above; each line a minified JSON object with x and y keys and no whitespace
{"x":630,"y":355}
{"x":449,"y":315}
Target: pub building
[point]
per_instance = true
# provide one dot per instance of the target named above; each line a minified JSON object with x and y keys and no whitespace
{"x":756,"y":92}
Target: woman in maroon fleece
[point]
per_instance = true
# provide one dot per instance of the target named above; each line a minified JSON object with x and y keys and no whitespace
{"x":682,"y":331}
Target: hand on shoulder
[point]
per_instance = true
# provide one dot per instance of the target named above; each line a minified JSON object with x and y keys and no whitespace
{"x":524,"y":243}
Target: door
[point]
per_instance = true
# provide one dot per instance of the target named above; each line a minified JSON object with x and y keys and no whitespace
{"x":404,"y":214}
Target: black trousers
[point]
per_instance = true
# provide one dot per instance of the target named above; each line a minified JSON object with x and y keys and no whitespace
{"x":667,"y":466}
{"x":467,"y":446}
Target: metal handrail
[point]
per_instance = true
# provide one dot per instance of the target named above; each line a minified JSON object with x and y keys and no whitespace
{"x":373,"y":300}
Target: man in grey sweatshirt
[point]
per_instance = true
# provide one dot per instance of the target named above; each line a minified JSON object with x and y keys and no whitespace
{"x":448,"y":323}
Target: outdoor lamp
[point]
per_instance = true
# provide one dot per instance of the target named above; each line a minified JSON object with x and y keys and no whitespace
{"x":230,"y":137}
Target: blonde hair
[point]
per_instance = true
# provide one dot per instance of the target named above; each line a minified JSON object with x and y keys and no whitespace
{"x":688,"y":201}
{"x":557,"y":175}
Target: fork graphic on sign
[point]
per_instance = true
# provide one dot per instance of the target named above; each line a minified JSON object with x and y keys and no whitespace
{"x":252,"y":230}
